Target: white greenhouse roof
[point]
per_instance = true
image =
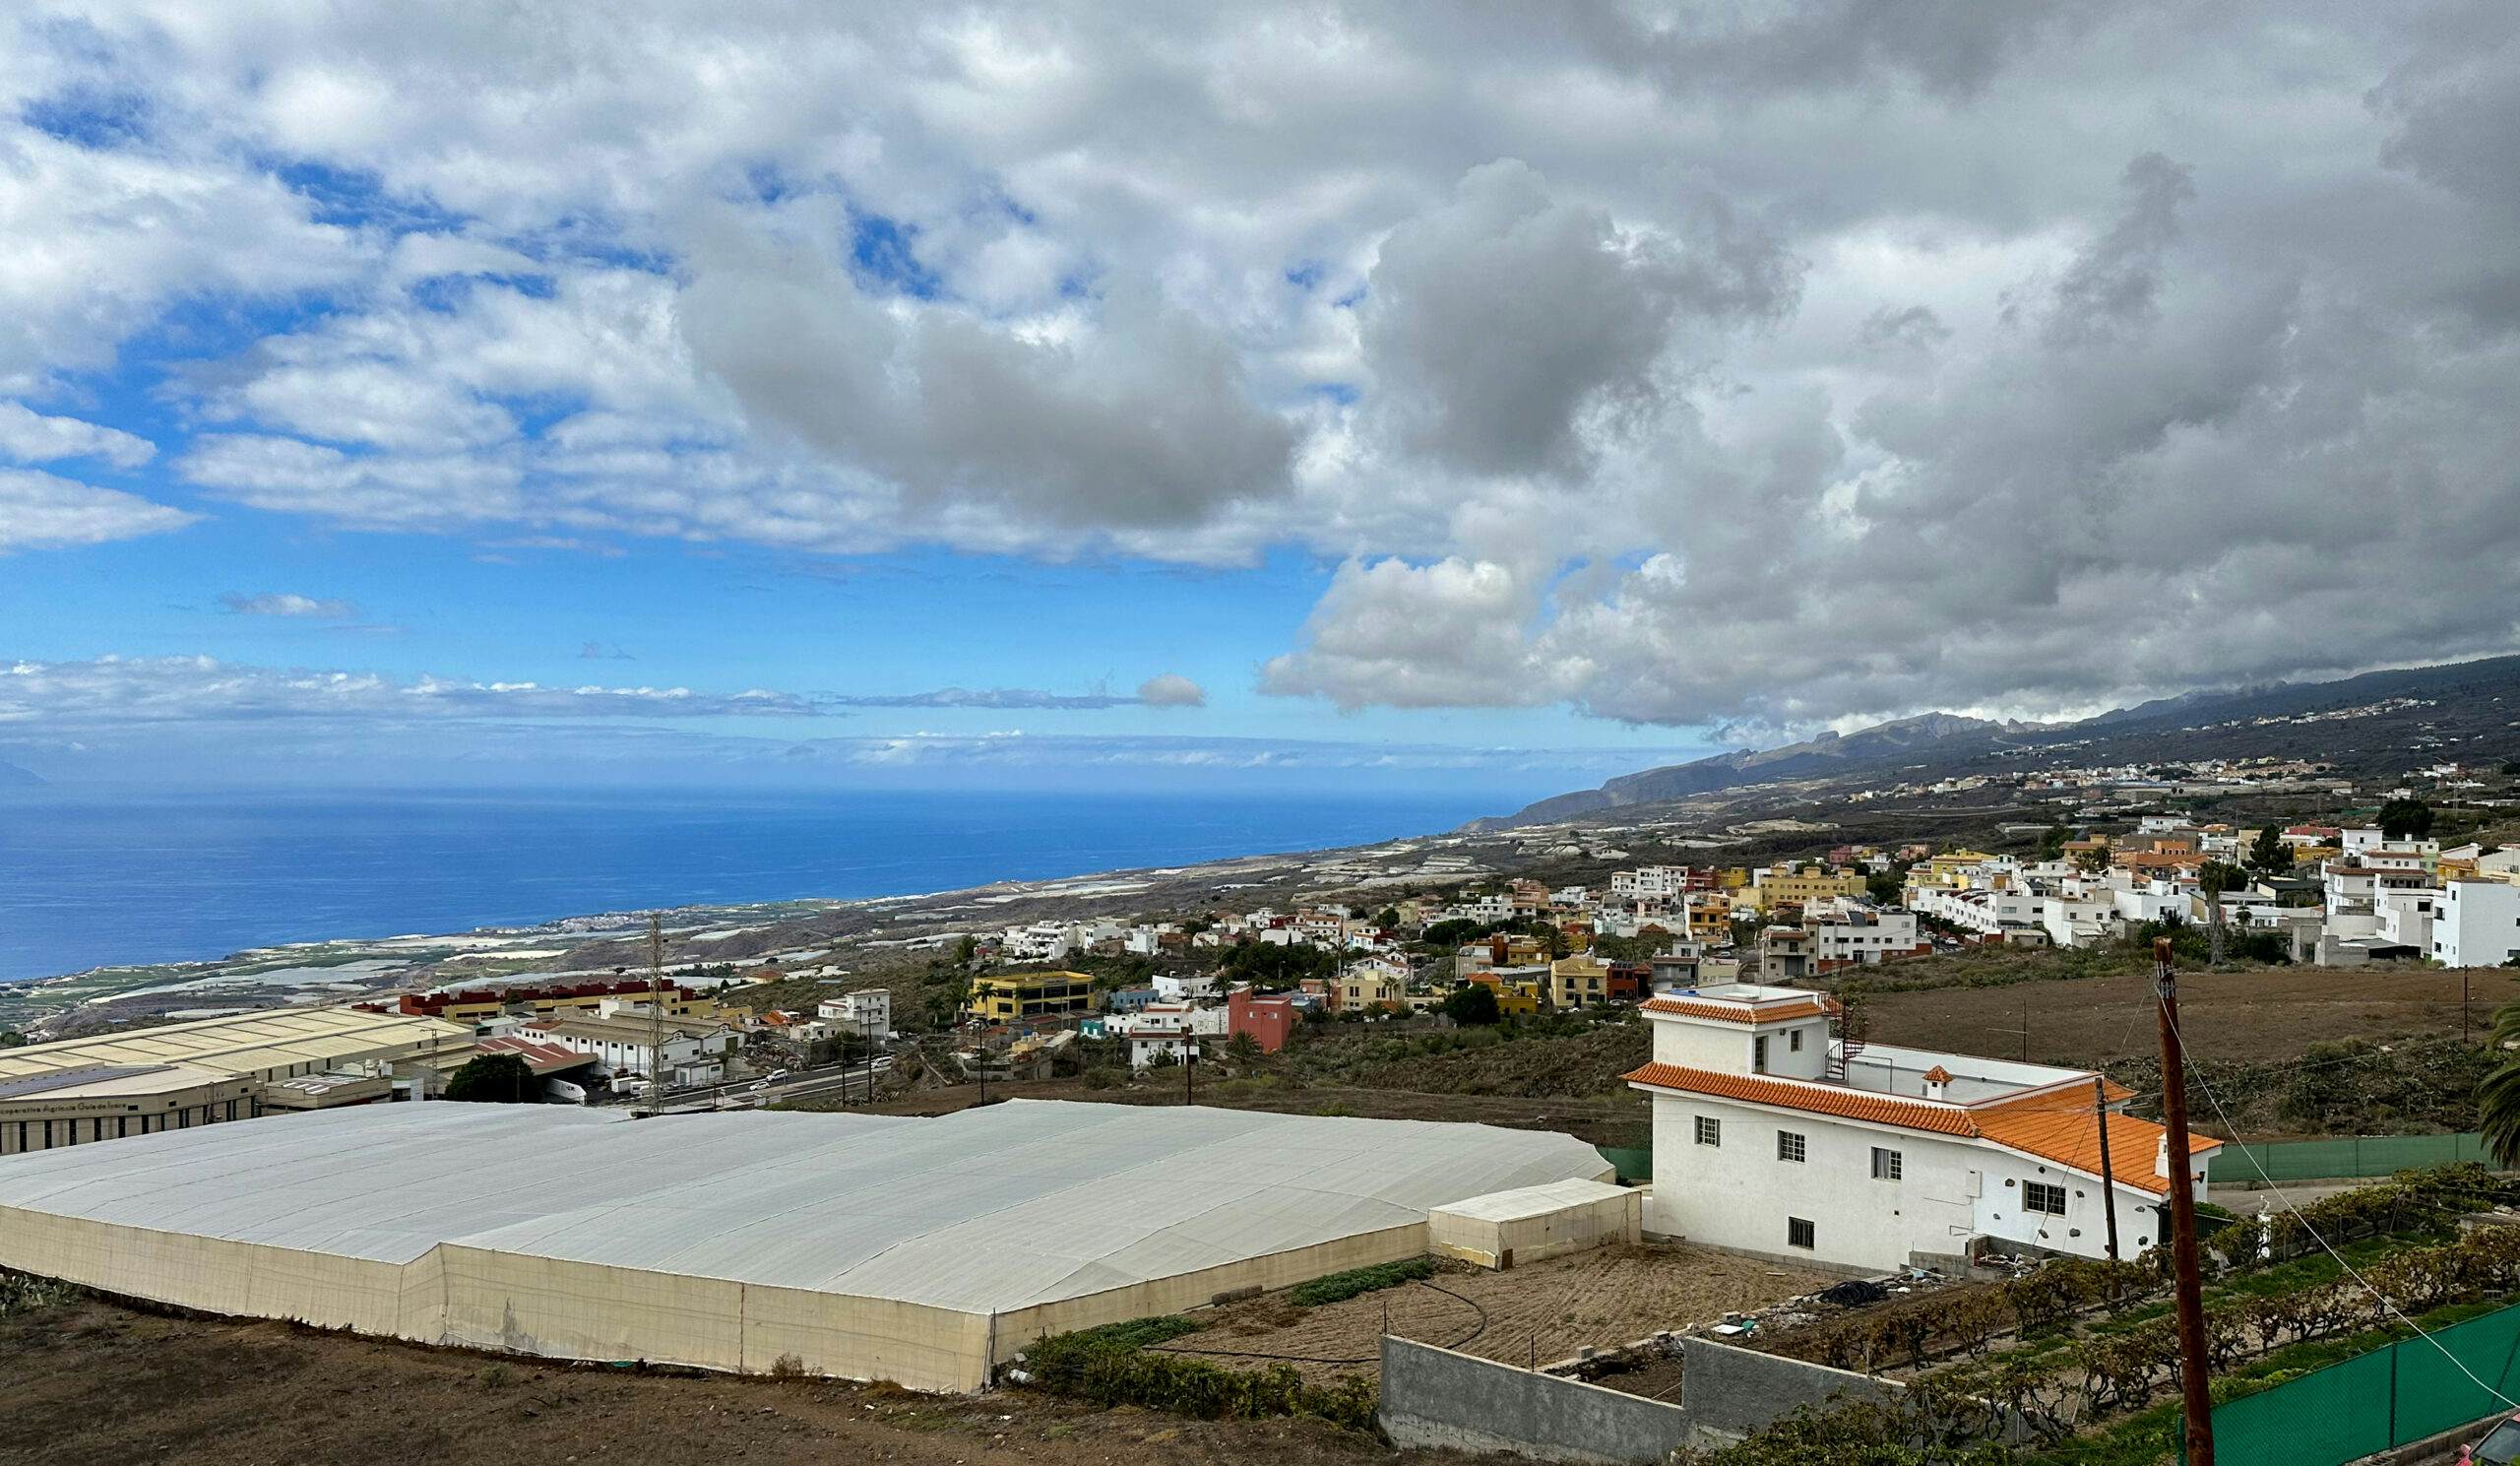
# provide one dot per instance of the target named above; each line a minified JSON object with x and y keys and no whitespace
{"x":982,"y":1211}
{"x":1531,"y":1201}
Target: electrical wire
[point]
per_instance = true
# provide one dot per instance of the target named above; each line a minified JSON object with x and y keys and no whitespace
{"x":2386,"y":1302}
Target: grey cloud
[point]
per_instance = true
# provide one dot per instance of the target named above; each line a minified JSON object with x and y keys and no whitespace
{"x":1140,"y":417}
{"x":1171,"y":690}
{"x":1494,"y":323}
{"x":2116,"y":285}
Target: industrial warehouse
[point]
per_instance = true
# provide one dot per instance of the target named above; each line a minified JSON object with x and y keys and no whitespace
{"x":923,"y":1251}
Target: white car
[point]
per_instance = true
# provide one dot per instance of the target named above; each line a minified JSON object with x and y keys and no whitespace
{"x":758,"y":1085}
{"x":774,"y":1074}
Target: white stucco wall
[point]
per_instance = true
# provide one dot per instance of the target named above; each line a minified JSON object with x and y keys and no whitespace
{"x":1741,"y":1195}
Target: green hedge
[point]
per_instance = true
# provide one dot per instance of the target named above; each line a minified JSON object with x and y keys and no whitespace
{"x":1338,"y":1287}
{"x":1110,"y":1366}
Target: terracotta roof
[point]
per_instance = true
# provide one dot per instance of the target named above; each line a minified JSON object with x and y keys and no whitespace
{"x":1819,"y":1099}
{"x":2048,"y":1125}
{"x":1937,"y":1075}
{"x":1738,"y":1012}
{"x":2067,"y":1136}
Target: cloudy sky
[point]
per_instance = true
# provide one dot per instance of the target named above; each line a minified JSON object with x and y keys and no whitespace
{"x":1450,"y":387}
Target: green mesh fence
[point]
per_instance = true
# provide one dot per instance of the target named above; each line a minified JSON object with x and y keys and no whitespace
{"x":2375,"y":1401}
{"x":2346,"y":1155}
{"x":1636,"y":1164}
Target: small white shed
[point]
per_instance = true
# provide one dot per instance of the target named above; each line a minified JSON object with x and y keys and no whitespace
{"x":1504,"y":1227}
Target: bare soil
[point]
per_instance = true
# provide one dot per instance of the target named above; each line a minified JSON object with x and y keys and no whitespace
{"x":1541,"y":1311}
{"x":2252,"y":1015}
{"x":95,"y":1384}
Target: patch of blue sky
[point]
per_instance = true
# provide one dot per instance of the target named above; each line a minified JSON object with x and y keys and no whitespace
{"x":886,"y":251}
{"x":1305,"y":276}
{"x":91,"y":117}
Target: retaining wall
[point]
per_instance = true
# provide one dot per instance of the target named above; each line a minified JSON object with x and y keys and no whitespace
{"x":1435,"y":1397}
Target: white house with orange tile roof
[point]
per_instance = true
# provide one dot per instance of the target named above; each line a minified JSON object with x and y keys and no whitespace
{"x":1773,"y":1136}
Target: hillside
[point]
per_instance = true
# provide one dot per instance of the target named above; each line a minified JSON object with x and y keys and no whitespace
{"x":2376,"y":722}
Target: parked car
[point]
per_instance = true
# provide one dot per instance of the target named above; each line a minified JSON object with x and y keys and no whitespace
{"x":2499,"y":1447}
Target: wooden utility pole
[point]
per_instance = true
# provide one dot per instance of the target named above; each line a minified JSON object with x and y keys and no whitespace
{"x":2194,"y":1387}
{"x":2107,"y":1176}
{"x":656,"y":1013}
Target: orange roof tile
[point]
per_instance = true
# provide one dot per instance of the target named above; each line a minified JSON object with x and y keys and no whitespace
{"x":2068,"y":1137}
{"x":2048,"y":1126}
{"x":1730,"y":1012}
{"x":1819,"y":1099}
{"x":1937,"y":1075}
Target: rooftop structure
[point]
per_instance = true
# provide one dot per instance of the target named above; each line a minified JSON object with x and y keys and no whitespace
{"x":274,"y":1044}
{"x":918,"y":1250}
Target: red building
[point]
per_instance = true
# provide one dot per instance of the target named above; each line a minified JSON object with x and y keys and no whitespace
{"x":1268,"y":1020}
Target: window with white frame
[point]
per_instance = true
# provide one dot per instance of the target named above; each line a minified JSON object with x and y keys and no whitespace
{"x":1788,"y":1146}
{"x":1710,"y":1132}
{"x":1885,"y":1164}
{"x":1759,"y":1054}
{"x":1799,"y":1232}
{"x":2039,"y":1196}
{"x":1794,"y":1040}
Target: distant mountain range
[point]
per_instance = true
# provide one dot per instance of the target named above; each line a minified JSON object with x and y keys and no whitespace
{"x":2470,"y":709}
{"x":12,"y":777}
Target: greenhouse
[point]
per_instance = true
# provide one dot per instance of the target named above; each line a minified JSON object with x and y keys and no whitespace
{"x":921,"y":1250}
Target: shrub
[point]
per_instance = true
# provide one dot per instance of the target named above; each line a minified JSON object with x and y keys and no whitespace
{"x":1338,"y":1287}
{"x":1110,"y":1366}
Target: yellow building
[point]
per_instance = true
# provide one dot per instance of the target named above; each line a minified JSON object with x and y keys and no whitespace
{"x":1945,"y":869}
{"x":1368,"y":986}
{"x":1013,"y":996}
{"x":1806,"y":886}
{"x":1578,"y":983}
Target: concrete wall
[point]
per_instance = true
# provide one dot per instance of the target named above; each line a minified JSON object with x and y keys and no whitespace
{"x":1434,"y":1397}
{"x":1730,"y":1391}
{"x":1437,"y":1398}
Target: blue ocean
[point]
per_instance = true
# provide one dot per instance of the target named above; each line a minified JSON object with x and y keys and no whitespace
{"x":86,"y":881}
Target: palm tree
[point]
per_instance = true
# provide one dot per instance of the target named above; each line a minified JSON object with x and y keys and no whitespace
{"x":2498,"y":1095}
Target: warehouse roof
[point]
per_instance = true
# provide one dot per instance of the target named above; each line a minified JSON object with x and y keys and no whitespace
{"x":245,"y":1042}
{"x":985,"y":1210}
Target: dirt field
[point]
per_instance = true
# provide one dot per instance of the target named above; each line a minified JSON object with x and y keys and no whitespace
{"x":1544,"y":1310}
{"x":2252,"y":1015}
{"x":91,"y":1384}
{"x":1622,"y":1120}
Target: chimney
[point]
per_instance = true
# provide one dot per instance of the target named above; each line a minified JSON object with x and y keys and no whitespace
{"x":1935,"y":1079}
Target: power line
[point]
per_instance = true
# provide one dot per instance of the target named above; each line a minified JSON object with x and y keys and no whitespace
{"x":2350,"y":1271}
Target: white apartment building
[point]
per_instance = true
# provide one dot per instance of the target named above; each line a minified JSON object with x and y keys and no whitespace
{"x":867,"y":1014}
{"x":1171,"y":1029}
{"x":2478,"y":923}
{"x":2406,"y":915}
{"x":1772,"y":1137}
{"x":1867,"y":937}
{"x":1650,"y":883}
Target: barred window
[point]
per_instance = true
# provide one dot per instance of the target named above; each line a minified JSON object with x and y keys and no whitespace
{"x":1788,"y":1146}
{"x":2039,"y":1196}
{"x":1708,"y":1131}
{"x":1799,"y":1232}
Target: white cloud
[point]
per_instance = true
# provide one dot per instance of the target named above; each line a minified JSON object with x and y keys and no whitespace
{"x":29,"y":436}
{"x":287,"y":604}
{"x":1782,"y":362}
{"x":38,"y":510}
{"x":113,"y":691}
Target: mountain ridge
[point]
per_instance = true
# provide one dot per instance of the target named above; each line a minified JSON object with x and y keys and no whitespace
{"x":2482,"y":695}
